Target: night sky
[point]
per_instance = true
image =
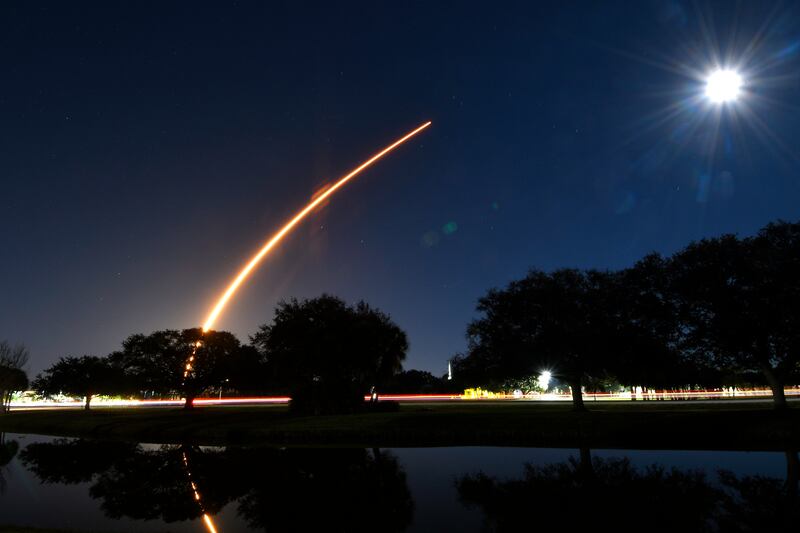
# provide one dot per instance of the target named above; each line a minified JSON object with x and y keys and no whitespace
{"x":147,"y":149}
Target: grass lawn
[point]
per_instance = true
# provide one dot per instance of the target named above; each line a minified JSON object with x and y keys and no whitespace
{"x":653,"y":425}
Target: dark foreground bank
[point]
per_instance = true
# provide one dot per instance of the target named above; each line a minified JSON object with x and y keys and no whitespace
{"x":739,"y":426}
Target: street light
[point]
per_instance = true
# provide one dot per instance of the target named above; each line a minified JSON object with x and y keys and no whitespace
{"x":544,"y":380}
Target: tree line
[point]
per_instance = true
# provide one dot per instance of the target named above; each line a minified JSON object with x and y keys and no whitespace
{"x":322,"y":352}
{"x":13,"y":377}
{"x":720,"y":308}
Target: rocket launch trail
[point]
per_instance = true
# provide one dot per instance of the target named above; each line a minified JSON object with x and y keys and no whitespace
{"x":294,"y":221}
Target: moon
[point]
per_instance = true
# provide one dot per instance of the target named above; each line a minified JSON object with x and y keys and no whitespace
{"x":723,"y":85}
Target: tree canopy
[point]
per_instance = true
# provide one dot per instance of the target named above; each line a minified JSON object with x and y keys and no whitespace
{"x":718,"y":309}
{"x":737,"y":299}
{"x":562,"y":321}
{"x":330,"y":354}
{"x":84,"y":376}
{"x":415,"y":382}
{"x":156,"y":362}
{"x":721,"y":310}
{"x":12,"y":376}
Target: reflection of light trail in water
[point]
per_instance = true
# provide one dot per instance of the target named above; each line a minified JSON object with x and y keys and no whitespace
{"x":206,"y":518}
{"x":212,"y":317}
{"x":209,"y":523}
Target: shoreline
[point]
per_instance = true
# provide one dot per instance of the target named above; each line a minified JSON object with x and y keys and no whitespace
{"x":644,"y":426}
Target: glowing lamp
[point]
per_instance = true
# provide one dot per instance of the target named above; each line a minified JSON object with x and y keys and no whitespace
{"x":544,"y":379}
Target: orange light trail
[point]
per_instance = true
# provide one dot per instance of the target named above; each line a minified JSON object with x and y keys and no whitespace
{"x":206,"y":518}
{"x":209,"y":523}
{"x":240,"y":278}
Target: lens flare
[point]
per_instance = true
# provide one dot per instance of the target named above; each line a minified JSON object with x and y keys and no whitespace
{"x":240,"y":278}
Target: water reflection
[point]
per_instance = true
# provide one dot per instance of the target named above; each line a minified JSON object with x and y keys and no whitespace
{"x":339,"y":490}
{"x":8,"y":450}
{"x":586,"y":493}
{"x":209,"y":522}
{"x":280,"y":490}
{"x":367,"y":489}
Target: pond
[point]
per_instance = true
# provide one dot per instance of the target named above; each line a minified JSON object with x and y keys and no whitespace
{"x":83,"y":485}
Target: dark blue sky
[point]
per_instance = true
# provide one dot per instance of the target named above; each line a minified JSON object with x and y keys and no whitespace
{"x":147,"y":149}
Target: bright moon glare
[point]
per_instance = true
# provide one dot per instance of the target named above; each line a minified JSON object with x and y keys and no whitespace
{"x":723,"y":86}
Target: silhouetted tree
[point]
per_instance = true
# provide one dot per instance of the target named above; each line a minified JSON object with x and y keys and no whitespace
{"x":650,"y":330}
{"x":738,"y":303}
{"x":564,"y":321}
{"x":84,"y":376}
{"x":218,"y":349}
{"x":414,"y":382}
{"x":12,"y":376}
{"x":156,"y":362}
{"x":12,"y":380}
{"x":244,"y":371}
{"x":468,"y":371}
{"x":330,"y":354}
{"x":13,"y":356}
